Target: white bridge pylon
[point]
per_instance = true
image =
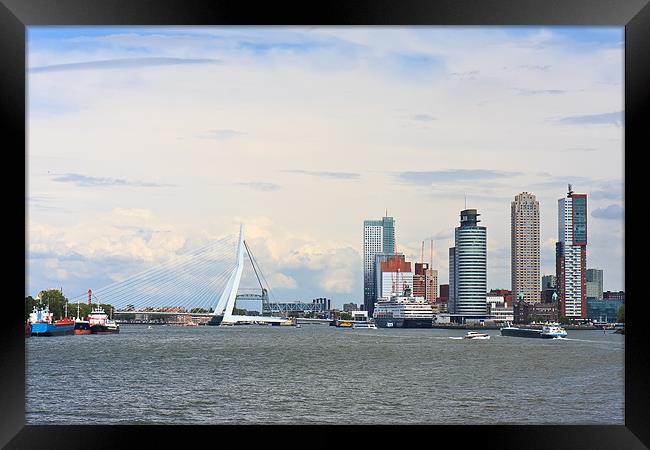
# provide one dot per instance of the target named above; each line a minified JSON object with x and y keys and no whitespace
{"x":226,"y":302}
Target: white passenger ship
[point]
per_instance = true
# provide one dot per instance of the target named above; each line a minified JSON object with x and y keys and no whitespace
{"x":403,"y":311}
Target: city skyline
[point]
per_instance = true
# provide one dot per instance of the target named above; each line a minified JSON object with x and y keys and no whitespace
{"x":145,"y":142}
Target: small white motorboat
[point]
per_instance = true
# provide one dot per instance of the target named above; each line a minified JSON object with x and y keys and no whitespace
{"x":364,"y":326}
{"x":476,"y":335}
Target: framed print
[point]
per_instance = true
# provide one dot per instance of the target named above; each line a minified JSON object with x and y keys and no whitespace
{"x":396,"y":217}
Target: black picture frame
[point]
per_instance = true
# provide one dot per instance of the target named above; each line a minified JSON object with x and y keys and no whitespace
{"x":16,"y":15}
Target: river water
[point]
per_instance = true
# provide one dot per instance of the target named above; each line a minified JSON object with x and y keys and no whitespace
{"x":317,"y":374}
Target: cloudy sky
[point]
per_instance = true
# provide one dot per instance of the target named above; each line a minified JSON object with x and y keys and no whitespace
{"x":144,"y":143}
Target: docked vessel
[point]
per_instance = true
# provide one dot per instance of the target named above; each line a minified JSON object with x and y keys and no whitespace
{"x":101,"y":324}
{"x":42,"y":323}
{"x":403,"y":311}
{"x":548,"y":331}
{"x":364,"y":326}
{"x":476,"y":335}
{"x":82,"y":326}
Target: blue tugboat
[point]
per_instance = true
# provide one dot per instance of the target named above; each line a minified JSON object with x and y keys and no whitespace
{"x":43,"y":323}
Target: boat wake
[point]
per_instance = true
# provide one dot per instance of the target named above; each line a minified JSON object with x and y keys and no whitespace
{"x":579,"y":340}
{"x":456,"y":337}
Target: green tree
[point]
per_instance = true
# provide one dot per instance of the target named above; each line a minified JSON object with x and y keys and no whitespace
{"x":30,"y":302}
{"x":56,"y":301}
{"x":563,"y":320}
{"x":621,"y":314}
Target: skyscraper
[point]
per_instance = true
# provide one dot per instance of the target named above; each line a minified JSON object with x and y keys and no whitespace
{"x":378,"y":237}
{"x":468,"y":267}
{"x":571,"y":255}
{"x":524,"y":235}
{"x":594,"y":284}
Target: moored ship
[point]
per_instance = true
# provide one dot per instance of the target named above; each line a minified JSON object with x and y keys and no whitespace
{"x":82,"y":326}
{"x":101,"y":324}
{"x":43,"y":324}
{"x":403,"y":311}
{"x":548,"y":331}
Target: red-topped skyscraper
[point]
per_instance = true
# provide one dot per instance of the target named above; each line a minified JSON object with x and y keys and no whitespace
{"x":571,"y":255}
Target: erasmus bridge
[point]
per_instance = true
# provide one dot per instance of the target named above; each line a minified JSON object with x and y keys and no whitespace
{"x":203,"y":282}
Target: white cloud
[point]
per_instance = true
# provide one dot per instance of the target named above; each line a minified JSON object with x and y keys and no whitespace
{"x":280,"y":280}
{"x":292,"y":102}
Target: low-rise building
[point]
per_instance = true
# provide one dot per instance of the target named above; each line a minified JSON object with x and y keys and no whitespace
{"x":498,"y":309}
{"x":360,"y":315}
{"x":610,"y":295}
{"x":603,"y":310}
{"x":524,"y":312}
{"x":505,"y":293}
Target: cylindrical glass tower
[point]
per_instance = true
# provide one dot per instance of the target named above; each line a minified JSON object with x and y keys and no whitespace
{"x":470,"y":271}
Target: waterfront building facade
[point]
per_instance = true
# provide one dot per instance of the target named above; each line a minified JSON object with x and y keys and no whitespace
{"x":525,"y":312}
{"x":611,"y":295}
{"x":524,"y":235}
{"x":505,"y":293}
{"x":468,"y":267}
{"x":571,"y":255}
{"x":498,"y":309}
{"x":425,"y":282}
{"x":594,"y":284}
{"x":349,"y":307}
{"x":378,"y":237}
{"x":379,"y":259}
{"x":394,"y":275}
{"x":603,"y":310}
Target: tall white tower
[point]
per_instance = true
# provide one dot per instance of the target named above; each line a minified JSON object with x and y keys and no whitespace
{"x":571,"y":255}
